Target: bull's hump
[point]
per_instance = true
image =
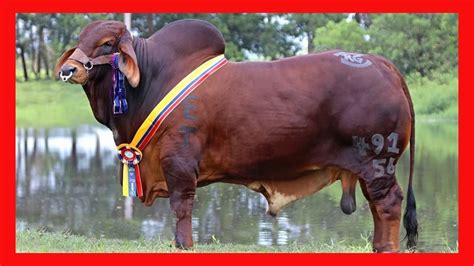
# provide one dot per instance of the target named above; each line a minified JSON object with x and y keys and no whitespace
{"x":189,"y":36}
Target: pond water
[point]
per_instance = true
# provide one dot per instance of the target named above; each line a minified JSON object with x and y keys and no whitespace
{"x":67,"y":181}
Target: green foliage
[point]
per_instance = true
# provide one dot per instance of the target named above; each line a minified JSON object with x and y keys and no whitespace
{"x":49,"y":35}
{"x":245,"y":34}
{"x":343,"y":35}
{"x":66,"y":28}
{"x":304,"y":25}
{"x":416,"y":43}
{"x":423,"y":47}
{"x":435,"y":95}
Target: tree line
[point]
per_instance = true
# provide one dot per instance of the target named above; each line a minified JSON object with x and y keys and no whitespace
{"x":416,"y":43}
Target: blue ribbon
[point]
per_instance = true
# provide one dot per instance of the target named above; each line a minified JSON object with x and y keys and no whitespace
{"x":120,"y":101}
{"x":132,"y":185}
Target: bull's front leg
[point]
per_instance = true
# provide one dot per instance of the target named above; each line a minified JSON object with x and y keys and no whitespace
{"x":180,"y":176}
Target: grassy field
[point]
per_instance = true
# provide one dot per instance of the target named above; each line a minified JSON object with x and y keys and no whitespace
{"x":40,"y":241}
{"x":49,"y":103}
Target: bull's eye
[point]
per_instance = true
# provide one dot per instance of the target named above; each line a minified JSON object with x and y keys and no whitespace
{"x":107,"y":47}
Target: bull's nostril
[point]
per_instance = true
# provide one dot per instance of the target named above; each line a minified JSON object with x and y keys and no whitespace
{"x":68,"y":70}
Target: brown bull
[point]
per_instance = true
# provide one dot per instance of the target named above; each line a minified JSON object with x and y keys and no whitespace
{"x":285,"y":128}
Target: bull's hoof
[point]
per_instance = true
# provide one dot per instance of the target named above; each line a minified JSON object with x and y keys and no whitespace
{"x":180,"y":246}
{"x":272,"y":214}
{"x":348,"y":204}
{"x":385,"y":250}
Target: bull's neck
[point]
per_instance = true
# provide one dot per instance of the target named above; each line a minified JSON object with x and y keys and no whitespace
{"x":160,"y":69}
{"x":161,"y":66}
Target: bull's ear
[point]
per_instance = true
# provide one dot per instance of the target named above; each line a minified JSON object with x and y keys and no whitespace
{"x":128,"y":59}
{"x":61,"y":61}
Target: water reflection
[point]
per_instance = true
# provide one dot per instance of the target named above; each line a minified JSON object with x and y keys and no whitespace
{"x":67,"y":181}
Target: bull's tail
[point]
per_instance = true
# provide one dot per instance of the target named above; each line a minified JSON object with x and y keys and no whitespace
{"x":409,"y":218}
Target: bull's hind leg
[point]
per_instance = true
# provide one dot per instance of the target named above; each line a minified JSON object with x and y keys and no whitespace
{"x":373,"y":159}
{"x":348,"y":199}
{"x":385,"y":198}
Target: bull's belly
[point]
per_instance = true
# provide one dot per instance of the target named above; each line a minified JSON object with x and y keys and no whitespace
{"x":281,"y":192}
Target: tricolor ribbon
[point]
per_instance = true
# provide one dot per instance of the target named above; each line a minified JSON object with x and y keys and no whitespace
{"x":130,"y":153}
{"x":131,"y":181}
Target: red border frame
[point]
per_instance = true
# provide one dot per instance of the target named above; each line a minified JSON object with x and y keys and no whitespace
{"x":8,"y":255}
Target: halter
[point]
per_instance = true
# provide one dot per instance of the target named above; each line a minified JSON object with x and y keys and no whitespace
{"x":130,"y":154}
{"x":88,"y":62}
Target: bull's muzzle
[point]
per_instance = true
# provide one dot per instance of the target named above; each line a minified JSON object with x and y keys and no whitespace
{"x":66,"y":72}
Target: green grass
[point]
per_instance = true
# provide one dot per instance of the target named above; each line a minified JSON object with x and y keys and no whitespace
{"x":49,"y":103}
{"x":41,"y":241}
